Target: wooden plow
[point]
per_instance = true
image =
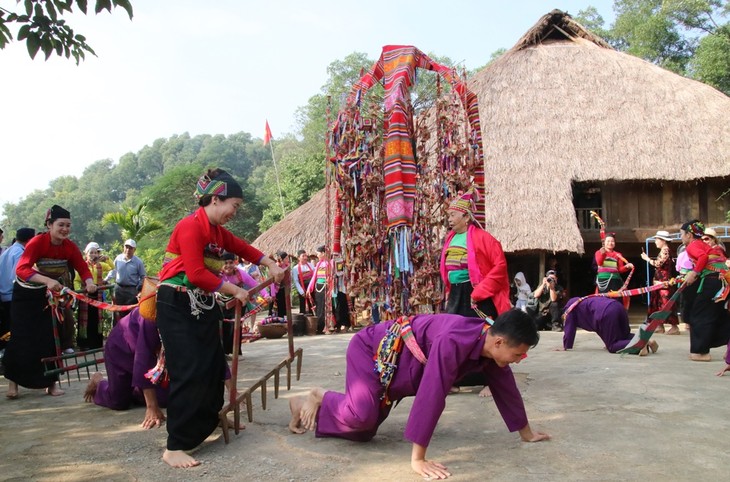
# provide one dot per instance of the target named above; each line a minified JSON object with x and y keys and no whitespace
{"x":59,"y":364}
{"x":236,"y":398}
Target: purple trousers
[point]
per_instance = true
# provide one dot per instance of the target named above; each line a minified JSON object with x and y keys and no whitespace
{"x":357,"y":413}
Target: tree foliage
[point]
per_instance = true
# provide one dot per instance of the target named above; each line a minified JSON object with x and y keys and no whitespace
{"x":40,"y":24}
{"x":689,"y":37}
{"x":159,"y":177}
{"x":301,"y":176}
{"x":134,"y":223}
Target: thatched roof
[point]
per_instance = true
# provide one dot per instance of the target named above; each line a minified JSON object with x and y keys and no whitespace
{"x":303,"y":228}
{"x":562,"y":106}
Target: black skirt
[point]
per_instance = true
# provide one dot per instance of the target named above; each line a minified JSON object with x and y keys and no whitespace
{"x":459,"y":302}
{"x":31,"y":338}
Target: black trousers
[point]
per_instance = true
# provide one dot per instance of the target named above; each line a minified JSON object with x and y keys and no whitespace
{"x":280,"y":304}
{"x":124,"y":295}
{"x":320,"y":298}
{"x":341,"y":309}
{"x":196,"y":365}
{"x":710,"y":321}
{"x":4,"y":321}
{"x":93,"y":337}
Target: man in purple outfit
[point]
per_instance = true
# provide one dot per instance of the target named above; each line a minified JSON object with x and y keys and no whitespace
{"x":130,"y":351}
{"x":604,"y":316}
{"x":454,"y":346}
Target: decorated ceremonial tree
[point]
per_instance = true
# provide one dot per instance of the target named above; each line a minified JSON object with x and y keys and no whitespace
{"x":392,"y":175}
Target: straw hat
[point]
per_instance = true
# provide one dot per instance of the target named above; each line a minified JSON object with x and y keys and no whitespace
{"x":711,"y":232}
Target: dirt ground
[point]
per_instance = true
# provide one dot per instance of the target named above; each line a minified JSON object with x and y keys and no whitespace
{"x":611,"y":418}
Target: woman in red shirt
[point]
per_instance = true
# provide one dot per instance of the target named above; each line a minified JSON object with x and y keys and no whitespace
{"x":188,"y":316}
{"x":709,"y":320}
{"x":46,"y":265}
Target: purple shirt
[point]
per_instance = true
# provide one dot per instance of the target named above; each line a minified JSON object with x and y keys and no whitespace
{"x":604,"y":316}
{"x":136,"y":339}
{"x":453,"y":346}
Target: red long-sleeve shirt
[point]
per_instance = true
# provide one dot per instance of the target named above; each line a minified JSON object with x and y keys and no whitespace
{"x":189,"y":239}
{"x":41,"y":247}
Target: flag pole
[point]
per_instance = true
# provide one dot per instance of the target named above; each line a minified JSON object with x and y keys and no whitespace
{"x":278,"y":183}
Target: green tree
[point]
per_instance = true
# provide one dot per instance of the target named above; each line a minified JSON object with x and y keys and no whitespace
{"x":42,"y":26}
{"x":171,"y":196}
{"x":135,"y":223}
{"x":689,"y":37}
{"x":301,"y":177}
{"x":646,"y":29}
{"x":593,"y":21}
{"x":312,"y":118}
{"x":711,"y":62}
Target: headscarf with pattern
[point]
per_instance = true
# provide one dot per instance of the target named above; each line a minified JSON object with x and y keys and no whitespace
{"x":221,"y":185}
{"x":694,"y":227}
{"x":466,"y":203}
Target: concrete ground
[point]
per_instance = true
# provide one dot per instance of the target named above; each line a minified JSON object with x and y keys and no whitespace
{"x":659,"y":417}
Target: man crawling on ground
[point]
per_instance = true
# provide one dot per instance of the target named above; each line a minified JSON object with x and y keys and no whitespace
{"x":440,"y":349}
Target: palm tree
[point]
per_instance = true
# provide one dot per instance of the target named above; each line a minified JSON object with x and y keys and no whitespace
{"x":135,"y":223}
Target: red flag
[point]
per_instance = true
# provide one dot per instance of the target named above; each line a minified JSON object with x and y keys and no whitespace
{"x":267,"y":134}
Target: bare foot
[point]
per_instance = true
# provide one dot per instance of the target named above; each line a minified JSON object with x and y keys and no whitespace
{"x":295,"y":406}
{"x":309,"y":410}
{"x":92,"y":386}
{"x":231,"y":424}
{"x":653,"y":346}
{"x":12,"y":391}
{"x":674,"y":330}
{"x":54,"y":390}
{"x":485,"y":393}
{"x":179,"y":459}
{"x":453,"y":390}
{"x":700,"y":357}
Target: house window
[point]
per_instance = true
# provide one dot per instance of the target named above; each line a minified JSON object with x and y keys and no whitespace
{"x":587,"y":198}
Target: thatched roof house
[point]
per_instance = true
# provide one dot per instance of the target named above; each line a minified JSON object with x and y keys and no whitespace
{"x":303,"y":228}
{"x":561,"y":106}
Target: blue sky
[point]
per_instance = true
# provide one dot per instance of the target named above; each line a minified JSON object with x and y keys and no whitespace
{"x":217,"y":67}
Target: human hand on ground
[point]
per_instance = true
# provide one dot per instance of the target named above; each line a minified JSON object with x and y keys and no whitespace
{"x":430,"y":469}
{"x":153,"y":417}
{"x":722,"y":372}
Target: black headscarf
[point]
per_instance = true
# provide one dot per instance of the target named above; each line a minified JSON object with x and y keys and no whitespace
{"x":57,"y":212}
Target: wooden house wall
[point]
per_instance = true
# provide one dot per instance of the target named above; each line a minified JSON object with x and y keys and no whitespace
{"x":642,"y":205}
